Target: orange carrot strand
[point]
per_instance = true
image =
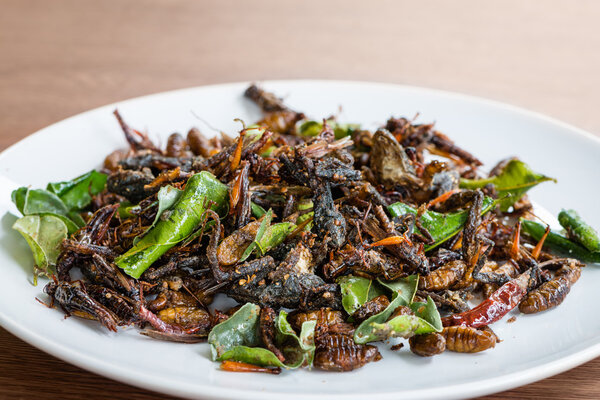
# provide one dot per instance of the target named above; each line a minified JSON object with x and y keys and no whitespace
{"x":442,"y":198}
{"x":514,"y":250}
{"x":538,"y":247}
{"x":237,"y":155}
{"x":237,"y":366}
{"x":235,"y":192}
{"x":388,"y":241}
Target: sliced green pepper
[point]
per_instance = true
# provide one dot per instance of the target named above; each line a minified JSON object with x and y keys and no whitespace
{"x":559,"y":243}
{"x":578,"y":230}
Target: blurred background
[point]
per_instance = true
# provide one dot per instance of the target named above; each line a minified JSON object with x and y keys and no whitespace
{"x":62,"y":57}
{"x":65,"y":56}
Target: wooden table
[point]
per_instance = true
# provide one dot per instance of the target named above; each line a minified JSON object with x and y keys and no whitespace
{"x":63,"y":57}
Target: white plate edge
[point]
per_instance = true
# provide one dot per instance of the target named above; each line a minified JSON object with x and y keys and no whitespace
{"x":481,"y":387}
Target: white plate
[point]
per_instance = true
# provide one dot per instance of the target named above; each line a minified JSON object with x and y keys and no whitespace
{"x":533,"y":347}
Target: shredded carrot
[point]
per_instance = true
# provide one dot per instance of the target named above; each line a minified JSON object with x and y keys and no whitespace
{"x":480,"y":251}
{"x":406,"y":238}
{"x":458,"y":244}
{"x":514,"y":250}
{"x":388,"y":241}
{"x":164,"y":177}
{"x":442,"y":198}
{"x":235,"y":192}
{"x":237,"y":155}
{"x":538,"y":247}
{"x":237,"y":366}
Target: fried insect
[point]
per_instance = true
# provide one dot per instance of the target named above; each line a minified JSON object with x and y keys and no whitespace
{"x":266,"y":330}
{"x":233,"y":246}
{"x":424,"y":135}
{"x":187,"y":317}
{"x":465,"y":339}
{"x":550,"y":294}
{"x":443,"y":277}
{"x":239,"y":197}
{"x":136,"y":139}
{"x":176,"y":146}
{"x":335,"y":349}
{"x":337,"y":352}
{"x":389,"y":161}
{"x":131,"y":184}
{"x":325,"y":316}
{"x":267,"y":101}
{"x":122,"y":306}
{"x":329,"y":222}
{"x":199,"y":144}
{"x":74,"y":299}
{"x":410,"y":254}
{"x":371,"y":307}
{"x":427,"y":345}
{"x":304,"y":203}
{"x":370,"y":264}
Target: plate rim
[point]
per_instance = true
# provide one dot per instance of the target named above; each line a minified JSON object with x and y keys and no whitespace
{"x":134,"y":378}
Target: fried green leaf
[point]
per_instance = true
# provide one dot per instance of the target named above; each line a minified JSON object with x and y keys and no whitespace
{"x":239,"y":329}
{"x":313,"y":128}
{"x":201,"y":190}
{"x":426,"y":320}
{"x":403,"y":292}
{"x":44,"y":234}
{"x":559,"y":243}
{"x":274,"y":236}
{"x":42,"y":202}
{"x":257,"y":210}
{"x":266,"y":221}
{"x":404,"y":288}
{"x":305,"y":204}
{"x":513,"y":181}
{"x":167,"y":197}
{"x":38,"y":201}
{"x":253,"y":133}
{"x":238,"y":339}
{"x":127,"y":209}
{"x":71,"y":226}
{"x":77,"y":194}
{"x":267,"y":236}
{"x":76,"y":217}
{"x":298,"y":350}
{"x":253,"y":355}
{"x":429,"y":313}
{"x":441,"y":226}
{"x":356,"y":291}
{"x":579,"y":231}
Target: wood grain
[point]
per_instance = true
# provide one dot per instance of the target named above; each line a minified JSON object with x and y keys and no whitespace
{"x":62,"y":57}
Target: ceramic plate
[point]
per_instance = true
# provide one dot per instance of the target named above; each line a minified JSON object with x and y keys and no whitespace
{"x":533,"y":347}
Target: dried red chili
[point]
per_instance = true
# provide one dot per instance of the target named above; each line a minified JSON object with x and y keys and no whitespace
{"x":495,"y":307}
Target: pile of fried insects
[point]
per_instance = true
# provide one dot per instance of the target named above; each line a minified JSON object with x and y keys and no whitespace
{"x":329,"y":237}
